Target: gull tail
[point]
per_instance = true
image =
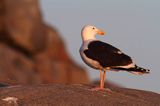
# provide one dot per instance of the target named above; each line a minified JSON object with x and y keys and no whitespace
{"x":135,"y":70}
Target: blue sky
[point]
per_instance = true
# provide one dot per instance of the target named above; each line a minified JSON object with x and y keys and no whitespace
{"x":132,"y":26}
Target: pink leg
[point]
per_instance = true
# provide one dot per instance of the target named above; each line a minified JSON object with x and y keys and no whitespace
{"x":102,"y":78}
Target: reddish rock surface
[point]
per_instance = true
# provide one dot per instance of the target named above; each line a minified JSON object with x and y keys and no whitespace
{"x":15,"y":68}
{"x":24,"y":25}
{"x":32,"y":52}
{"x":76,"y":95}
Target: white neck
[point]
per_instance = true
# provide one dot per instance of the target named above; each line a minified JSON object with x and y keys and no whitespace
{"x":88,"y":36}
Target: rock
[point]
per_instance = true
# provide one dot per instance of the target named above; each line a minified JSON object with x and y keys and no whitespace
{"x":32,"y":52}
{"x":15,"y":68}
{"x":24,"y":25}
{"x":2,"y":12}
{"x":59,"y":70}
{"x":54,"y":65}
{"x":55,"y":48}
{"x":3,"y":85}
{"x":76,"y":95}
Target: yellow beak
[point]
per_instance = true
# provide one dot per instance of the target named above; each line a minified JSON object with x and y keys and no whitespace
{"x":100,"y":32}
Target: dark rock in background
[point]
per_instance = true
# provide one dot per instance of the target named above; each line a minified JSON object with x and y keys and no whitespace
{"x":32,"y":52}
{"x":3,"y":85}
{"x":24,"y":25}
{"x":15,"y":68}
{"x":76,"y":95}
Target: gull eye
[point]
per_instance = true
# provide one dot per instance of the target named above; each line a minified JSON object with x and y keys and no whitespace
{"x":93,"y":28}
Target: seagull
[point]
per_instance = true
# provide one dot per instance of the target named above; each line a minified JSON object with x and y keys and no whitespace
{"x":103,"y":56}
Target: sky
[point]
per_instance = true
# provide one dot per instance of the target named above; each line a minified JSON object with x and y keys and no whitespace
{"x":132,"y":26}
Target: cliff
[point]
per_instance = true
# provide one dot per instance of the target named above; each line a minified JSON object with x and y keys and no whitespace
{"x":32,"y":52}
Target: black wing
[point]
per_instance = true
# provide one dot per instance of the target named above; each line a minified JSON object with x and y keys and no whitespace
{"x":106,"y":54}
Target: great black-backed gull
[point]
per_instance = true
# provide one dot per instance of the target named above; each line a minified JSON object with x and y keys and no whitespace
{"x":103,"y":56}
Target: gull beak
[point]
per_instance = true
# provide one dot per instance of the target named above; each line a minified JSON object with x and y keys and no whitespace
{"x":100,"y":32}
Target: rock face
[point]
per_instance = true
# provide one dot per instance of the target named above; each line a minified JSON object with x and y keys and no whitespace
{"x":32,"y":52}
{"x":75,"y":95}
{"x":15,"y":68}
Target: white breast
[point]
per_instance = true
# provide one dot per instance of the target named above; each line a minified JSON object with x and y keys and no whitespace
{"x":92,"y":63}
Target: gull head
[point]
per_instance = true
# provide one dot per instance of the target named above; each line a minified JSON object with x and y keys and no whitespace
{"x":89,"y":32}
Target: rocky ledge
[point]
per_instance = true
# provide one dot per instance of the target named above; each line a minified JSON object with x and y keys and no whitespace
{"x":75,"y":95}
